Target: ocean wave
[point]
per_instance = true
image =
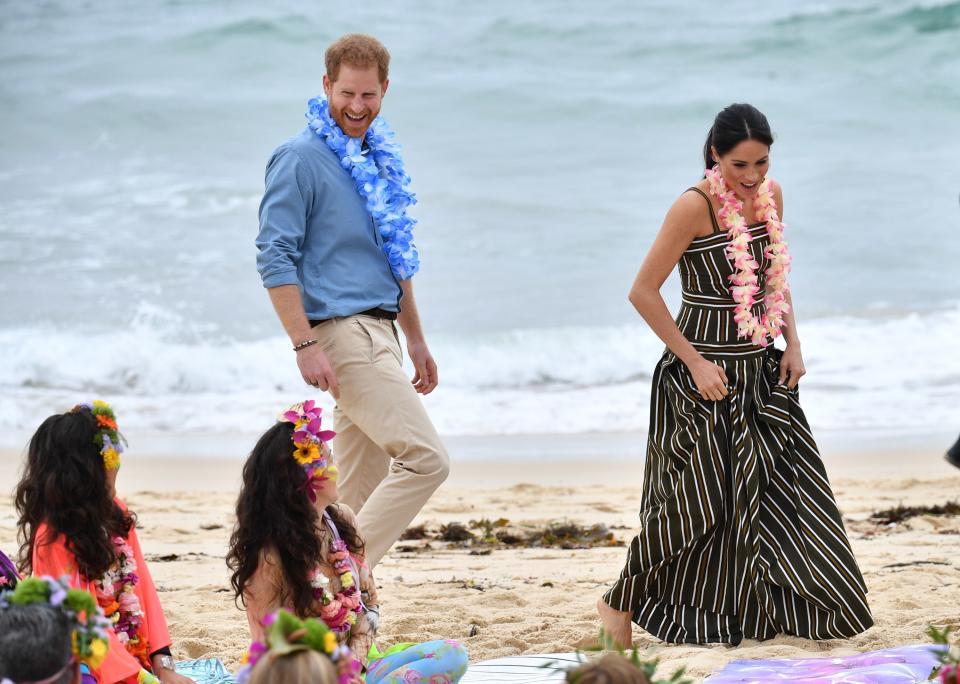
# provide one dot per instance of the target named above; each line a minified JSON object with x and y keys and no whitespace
{"x":933,"y":19}
{"x":278,"y":28}
{"x":898,"y":373}
{"x":876,"y":18}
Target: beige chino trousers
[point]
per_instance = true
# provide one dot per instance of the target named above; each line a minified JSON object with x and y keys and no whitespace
{"x":390,"y":456}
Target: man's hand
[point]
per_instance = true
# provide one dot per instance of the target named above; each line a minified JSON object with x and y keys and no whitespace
{"x":426,"y":377}
{"x":316,"y":370}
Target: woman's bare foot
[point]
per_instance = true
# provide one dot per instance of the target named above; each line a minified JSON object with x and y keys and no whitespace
{"x":617,"y":626}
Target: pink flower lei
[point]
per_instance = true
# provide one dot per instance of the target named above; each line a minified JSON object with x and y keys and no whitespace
{"x":339,"y":611}
{"x":117,"y":596}
{"x":744,"y":282}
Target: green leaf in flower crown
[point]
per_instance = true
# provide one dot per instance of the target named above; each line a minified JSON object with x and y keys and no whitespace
{"x":30,"y":590}
{"x":284,"y":625}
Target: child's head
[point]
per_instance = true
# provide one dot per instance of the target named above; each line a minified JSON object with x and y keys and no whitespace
{"x":35,"y":645}
{"x":68,"y":483}
{"x":297,"y":651}
{"x":288,"y":480}
{"x":47,"y":630}
{"x":298,"y":667}
{"x":612,"y":668}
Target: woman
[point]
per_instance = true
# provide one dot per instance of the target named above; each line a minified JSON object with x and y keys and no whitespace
{"x":740,"y":535}
{"x":72,"y":524}
{"x":294,"y":548}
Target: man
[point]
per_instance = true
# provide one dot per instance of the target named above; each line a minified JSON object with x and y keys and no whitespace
{"x":35,"y":646}
{"x":336,"y":257}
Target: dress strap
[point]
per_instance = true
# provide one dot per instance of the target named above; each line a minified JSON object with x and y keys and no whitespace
{"x":713,"y":216}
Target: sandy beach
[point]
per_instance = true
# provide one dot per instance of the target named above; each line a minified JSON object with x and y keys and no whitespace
{"x":509,"y":601}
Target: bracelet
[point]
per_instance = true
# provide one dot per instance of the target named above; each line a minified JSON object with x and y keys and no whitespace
{"x":304,"y":345}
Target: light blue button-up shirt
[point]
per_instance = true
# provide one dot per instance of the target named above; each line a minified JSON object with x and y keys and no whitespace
{"x":316,"y":233}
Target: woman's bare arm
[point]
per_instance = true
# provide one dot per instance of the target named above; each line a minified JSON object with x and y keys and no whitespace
{"x":679,"y":228}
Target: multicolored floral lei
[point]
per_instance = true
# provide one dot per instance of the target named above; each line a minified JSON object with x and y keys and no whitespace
{"x":117,"y":596}
{"x":286,"y":633}
{"x":89,"y":638}
{"x":341,"y":610}
{"x":744,"y":281}
{"x":108,"y":437}
{"x":308,"y":439}
{"x":381,"y":180}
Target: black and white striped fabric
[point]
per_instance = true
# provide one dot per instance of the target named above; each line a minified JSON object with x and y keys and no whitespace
{"x":740,"y":536}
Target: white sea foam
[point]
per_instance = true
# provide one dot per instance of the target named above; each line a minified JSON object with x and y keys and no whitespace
{"x":887,"y":375}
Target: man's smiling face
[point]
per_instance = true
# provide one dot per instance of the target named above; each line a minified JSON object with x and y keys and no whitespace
{"x":355,"y":98}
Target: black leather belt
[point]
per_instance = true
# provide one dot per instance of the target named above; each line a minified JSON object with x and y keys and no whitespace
{"x":376,"y":312}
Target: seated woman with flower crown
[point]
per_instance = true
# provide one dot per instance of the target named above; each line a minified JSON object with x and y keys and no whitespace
{"x":71,"y":524}
{"x":294,"y":547}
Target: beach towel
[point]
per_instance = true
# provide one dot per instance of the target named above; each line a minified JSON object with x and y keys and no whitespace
{"x":901,"y":665}
{"x":205,"y":671}
{"x":528,"y":669}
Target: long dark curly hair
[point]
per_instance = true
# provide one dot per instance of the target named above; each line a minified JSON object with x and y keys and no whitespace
{"x":274,"y":512}
{"x":64,"y":485}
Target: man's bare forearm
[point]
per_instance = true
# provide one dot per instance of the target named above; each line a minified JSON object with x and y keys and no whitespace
{"x":409,"y":317}
{"x":289,"y":307}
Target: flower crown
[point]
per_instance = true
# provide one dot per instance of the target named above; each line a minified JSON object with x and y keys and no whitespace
{"x":108,"y":436}
{"x":286,"y":633}
{"x":87,"y":625}
{"x":307,"y":440}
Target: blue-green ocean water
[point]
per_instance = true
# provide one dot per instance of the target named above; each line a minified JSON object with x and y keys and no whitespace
{"x":545,"y":139}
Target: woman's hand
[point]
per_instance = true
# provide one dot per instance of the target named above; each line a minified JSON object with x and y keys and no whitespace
{"x":171,"y":677}
{"x":710,"y":379}
{"x":791,"y":366}
{"x":167,"y":675}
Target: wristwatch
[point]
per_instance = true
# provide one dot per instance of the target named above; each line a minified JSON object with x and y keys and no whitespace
{"x":166,"y":662}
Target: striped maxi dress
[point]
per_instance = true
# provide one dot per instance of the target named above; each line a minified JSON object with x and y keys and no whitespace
{"x":740,"y":536}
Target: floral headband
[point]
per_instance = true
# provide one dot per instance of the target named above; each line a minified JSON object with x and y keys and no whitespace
{"x":108,"y":436}
{"x":307,"y":438}
{"x":286,"y":633}
{"x":88,"y":626}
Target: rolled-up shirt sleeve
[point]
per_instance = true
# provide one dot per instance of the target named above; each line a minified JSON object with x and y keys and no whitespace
{"x":283,"y":218}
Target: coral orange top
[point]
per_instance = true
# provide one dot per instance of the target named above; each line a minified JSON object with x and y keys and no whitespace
{"x":51,"y":557}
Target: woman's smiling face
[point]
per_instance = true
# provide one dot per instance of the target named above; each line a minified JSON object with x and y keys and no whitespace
{"x":744,"y":167}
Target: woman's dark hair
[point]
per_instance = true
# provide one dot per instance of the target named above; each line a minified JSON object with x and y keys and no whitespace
{"x":732,"y":126}
{"x":64,"y":485}
{"x":34,"y":643}
{"x":274,"y":512}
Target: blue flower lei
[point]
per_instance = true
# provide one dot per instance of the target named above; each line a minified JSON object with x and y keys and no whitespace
{"x":381,"y":180}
